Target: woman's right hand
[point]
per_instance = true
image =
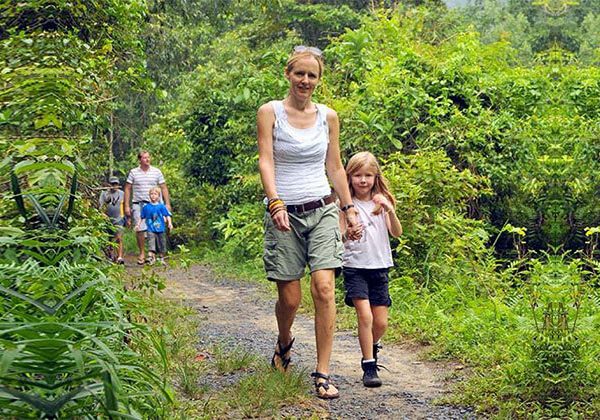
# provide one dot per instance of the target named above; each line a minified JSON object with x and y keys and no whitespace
{"x":354,"y":225}
{"x":282,"y":221}
{"x":354,"y":233}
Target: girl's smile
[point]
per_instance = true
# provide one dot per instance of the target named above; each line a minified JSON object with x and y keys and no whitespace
{"x":362,"y":183}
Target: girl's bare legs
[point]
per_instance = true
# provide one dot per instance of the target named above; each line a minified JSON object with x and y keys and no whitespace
{"x":365,"y":326}
{"x":380,"y":321}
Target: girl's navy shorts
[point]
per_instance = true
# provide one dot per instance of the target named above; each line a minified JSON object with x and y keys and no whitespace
{"x":367,"y":283}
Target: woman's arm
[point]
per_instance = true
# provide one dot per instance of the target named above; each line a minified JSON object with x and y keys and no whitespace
{"x":265,"y":120}
{"x":343,"y":227}
{"x":336,"y":172}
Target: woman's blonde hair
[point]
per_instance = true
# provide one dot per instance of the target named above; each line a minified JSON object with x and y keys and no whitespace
{"x":296,"y":56}
{"x":380,"y":186}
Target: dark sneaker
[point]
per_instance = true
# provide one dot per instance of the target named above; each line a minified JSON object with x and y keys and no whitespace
{"x":376,"y":347}
{"x":370,"y":378}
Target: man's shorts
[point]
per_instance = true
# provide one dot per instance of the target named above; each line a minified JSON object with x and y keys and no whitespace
{"x":118,"y":225}
{"x":136,"y":215}
{"x":366,"y":283}
{"x":314,"y":240}
{"x":156,"y":242}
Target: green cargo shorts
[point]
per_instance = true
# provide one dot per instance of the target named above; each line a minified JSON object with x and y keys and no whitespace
{"x":314,"y":240}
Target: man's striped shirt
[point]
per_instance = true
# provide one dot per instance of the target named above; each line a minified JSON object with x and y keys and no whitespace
{"x":141,"y":182}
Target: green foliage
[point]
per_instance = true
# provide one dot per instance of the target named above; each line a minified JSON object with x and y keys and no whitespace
{"x":63,"y":328}
{"x":537,"y":26}
{"x":488,"y":141}
{"x":551,"y":364}
{"x":439,"y":243}
{"x":485,"y":121}
{"x":242,"y":229}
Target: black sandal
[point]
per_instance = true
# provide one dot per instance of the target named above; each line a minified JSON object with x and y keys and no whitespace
{"x":322,"y":387}
{"x":281,"y":359}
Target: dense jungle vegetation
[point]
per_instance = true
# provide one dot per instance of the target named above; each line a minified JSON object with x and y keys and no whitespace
{"x":486,"y":119}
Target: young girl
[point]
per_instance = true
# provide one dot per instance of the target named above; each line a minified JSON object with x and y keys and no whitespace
{"x":366,"y":261}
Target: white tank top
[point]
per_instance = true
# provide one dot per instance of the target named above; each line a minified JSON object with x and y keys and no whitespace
{"x":299,"y":156}
{"x":373,"y":249}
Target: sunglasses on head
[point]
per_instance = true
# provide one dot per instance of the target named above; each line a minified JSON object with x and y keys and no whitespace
{"x":313,"y":50}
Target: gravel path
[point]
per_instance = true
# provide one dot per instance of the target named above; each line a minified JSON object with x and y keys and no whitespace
{"x":242,"y":314}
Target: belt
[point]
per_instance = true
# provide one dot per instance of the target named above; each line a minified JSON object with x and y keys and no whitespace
{"x":140,"y":202}
{"x":311,"y":205}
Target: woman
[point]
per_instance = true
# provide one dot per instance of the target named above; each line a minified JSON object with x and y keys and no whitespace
{"x":298,"y":149}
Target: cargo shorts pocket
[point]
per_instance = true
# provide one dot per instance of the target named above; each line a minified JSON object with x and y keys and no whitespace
{"x":339,"y":245}
{"x":270,"y":255}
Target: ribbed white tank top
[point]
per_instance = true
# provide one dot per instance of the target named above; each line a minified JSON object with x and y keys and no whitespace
{"x":299,"y":156}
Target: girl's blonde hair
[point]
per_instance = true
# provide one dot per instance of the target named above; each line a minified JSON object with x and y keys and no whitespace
{"x":380,"y":186}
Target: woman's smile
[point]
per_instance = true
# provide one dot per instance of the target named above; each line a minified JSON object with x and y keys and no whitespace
{"x":304,"y":77}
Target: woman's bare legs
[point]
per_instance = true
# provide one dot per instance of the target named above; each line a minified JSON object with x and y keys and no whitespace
{"x":289,"y":293}
{"x":322,"y":287}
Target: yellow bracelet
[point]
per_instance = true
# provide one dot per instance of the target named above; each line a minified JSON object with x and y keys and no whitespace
{"x":275,"y":203}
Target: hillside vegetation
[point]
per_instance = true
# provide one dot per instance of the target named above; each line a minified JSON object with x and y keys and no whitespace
{"x":486,"y":119}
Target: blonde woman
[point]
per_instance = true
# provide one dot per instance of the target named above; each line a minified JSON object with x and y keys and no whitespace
{"x":299,"y":154}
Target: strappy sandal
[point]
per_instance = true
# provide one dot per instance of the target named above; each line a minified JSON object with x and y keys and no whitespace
{"x":322,"y":387}
{"x":281,"y":358}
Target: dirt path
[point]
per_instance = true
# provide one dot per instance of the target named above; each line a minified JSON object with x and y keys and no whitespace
{"x":242,"y":314}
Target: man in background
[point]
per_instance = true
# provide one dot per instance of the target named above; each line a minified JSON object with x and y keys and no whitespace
{"x":138,"y":184}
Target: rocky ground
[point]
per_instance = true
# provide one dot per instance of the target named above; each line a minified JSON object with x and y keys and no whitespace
{"x":241,"y":314}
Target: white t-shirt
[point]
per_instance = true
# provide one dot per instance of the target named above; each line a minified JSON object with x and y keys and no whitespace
{"x":373,"y":249}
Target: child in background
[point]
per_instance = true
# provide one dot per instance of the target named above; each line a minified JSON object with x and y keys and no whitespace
{"x":367,"y":261}
{"x":111,"y":202}
{"x":155,"y":214}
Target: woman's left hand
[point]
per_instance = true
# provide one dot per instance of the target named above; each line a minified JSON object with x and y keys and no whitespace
{"x":282,"y":221}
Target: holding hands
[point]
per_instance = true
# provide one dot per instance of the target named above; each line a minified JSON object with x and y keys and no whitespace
{"x":354,"y":227}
